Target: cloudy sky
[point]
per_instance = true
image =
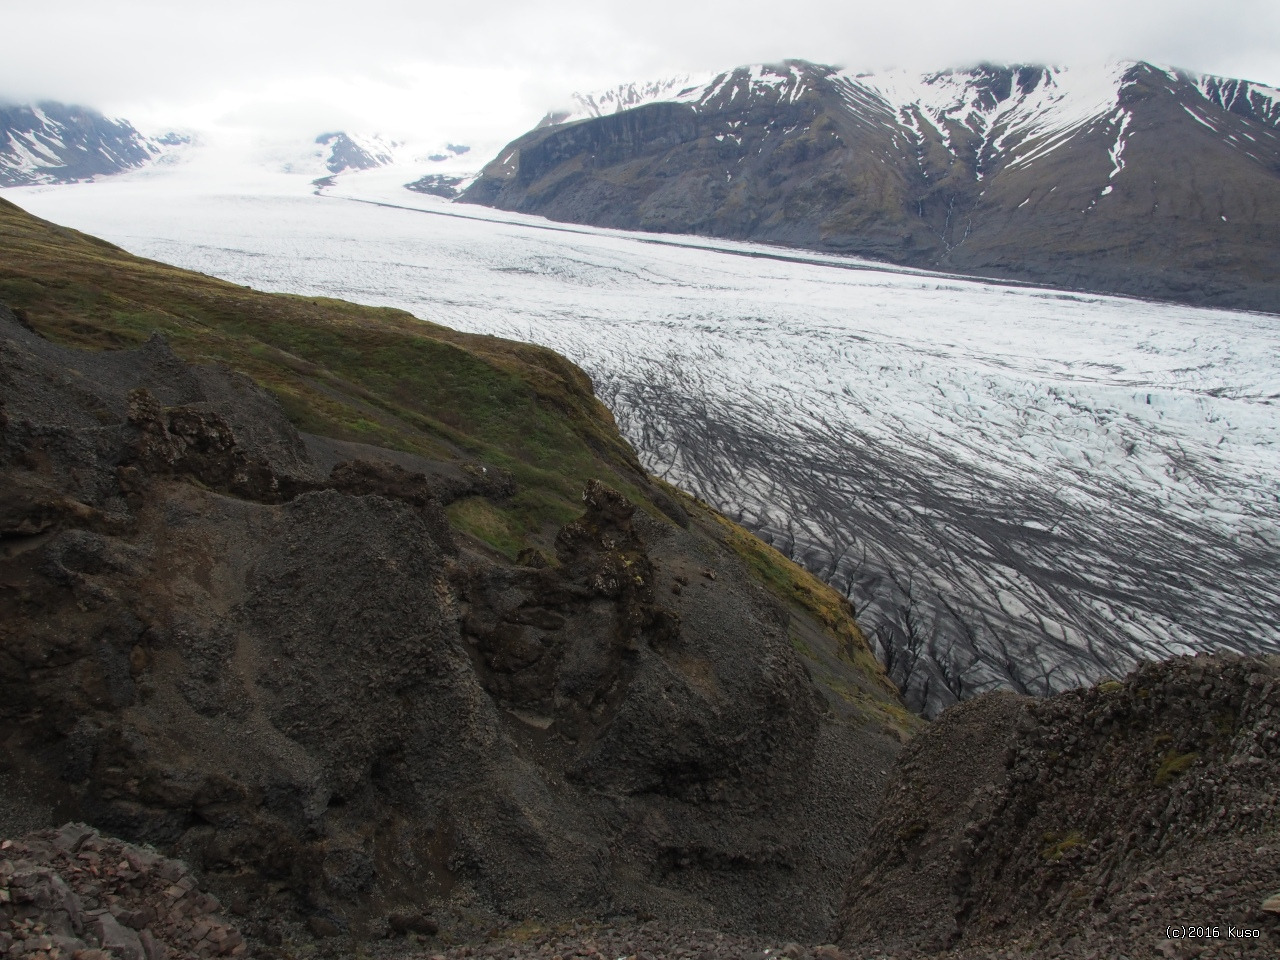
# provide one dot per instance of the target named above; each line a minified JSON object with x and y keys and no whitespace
{"x":485,"y":70}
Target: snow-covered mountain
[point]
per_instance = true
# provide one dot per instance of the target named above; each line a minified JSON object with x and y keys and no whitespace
{"x":342,"y":151}
{"x":626,"y":96}
{"x":1131,"y":178}
{"x":51,"y":142}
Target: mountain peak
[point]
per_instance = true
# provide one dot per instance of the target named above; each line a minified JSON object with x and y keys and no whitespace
{"x":51,"y":142}
{"x":345,"y":152}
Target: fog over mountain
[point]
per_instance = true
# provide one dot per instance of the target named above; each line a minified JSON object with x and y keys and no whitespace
{"x":401,"y":69}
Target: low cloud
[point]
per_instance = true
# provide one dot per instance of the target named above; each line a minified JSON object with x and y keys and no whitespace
{"x":406,"y":67}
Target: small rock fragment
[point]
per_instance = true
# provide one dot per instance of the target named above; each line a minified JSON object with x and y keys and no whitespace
{"x":117,"y":939}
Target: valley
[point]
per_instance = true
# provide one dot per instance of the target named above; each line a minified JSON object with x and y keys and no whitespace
{"x":1016,"y":487}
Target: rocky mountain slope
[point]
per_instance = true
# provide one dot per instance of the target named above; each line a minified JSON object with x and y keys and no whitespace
{"x":1120,"y":820}
{"x":1136,"y":180}
{"x":1135,"y":819}
{"x":55,"y":143}
{"x":444,"y":660}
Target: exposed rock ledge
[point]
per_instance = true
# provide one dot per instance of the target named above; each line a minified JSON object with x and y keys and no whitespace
{"x":340,"y":711}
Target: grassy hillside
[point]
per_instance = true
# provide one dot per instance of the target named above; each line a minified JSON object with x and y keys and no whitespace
{"x":367,"y":374}
{"x":383,"y":377}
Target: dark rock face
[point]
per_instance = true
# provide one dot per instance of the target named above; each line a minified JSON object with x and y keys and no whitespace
{"x":1173,"y":191}
{"x":610,"y":139}
{"x":188,"y":442}
{"x":438,"y":185}
{"x":1085,"y":824}
{"x":54,"y":143}
{"x":308,"y":689}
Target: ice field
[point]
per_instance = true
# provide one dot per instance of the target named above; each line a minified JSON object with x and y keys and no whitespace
{"x":1015,"y":487}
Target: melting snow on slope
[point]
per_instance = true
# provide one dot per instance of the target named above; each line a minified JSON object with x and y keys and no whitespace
{"x":1199,"y":119}
{"x":626,"y":96}
{"x":1116,"y":152}
{"x":1034,"y":121}
{"x":1262,"y":101}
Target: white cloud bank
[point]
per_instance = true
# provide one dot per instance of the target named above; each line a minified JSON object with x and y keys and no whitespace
{"x":486,"y":71}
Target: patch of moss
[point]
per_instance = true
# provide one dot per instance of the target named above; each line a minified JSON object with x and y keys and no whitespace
{"x":478,"y":517}
{"x":1174,"y":765}
{"x":1224,"y":723}
{"x":1057,"y":844}
{"x":802,"y":648}
{"x":846,"y":666}
{"x":1110,"y":686}
{"x":796,"y":586}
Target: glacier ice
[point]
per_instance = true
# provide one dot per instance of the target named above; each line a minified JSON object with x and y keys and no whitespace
{"x":1016,"y":487}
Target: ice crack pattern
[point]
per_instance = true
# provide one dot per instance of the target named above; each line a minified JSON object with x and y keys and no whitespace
{"x":1016,"y":487}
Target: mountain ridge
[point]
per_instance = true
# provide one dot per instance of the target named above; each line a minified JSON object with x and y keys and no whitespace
{"x":51,"y":142}
{"x":1133,"y":179}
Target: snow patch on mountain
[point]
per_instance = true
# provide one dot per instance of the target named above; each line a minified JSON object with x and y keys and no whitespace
{"x":51,"y":142}
{"x":1019,"y":113}
{"x":627,"y":96}
{"x":1241,"y":97}
{"x":343,"y":151}
{"x":1121,"y":120}
{"x":1016,"y":114}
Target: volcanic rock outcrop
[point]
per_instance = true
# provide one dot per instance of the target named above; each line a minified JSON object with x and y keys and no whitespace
{"x":344,"y":714}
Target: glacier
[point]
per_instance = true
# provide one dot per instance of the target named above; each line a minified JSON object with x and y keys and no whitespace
{"x":1016,"y":487}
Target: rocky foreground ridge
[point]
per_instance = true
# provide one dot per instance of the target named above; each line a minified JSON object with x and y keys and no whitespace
{"x":1136,"y":819}
{"x":1095,"y":823}
{"x":333,"y":704}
